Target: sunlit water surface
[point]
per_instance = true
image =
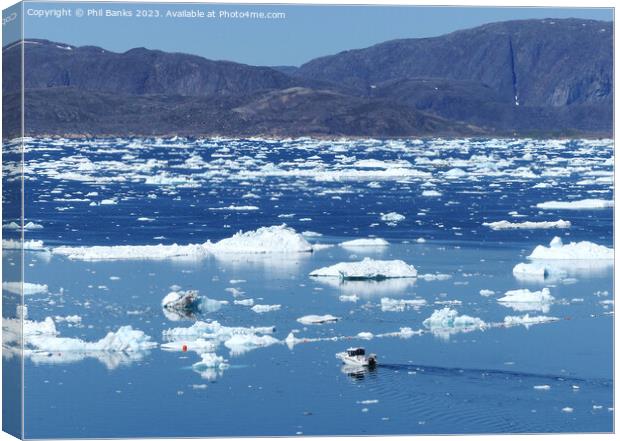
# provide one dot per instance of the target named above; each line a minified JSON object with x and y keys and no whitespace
{"x":481,"y":381}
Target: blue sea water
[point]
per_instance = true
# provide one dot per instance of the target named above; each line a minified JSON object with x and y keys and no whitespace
{"x":181,"y":191}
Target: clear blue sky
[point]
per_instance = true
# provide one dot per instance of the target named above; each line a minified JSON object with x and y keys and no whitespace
{"x":306,"y":32}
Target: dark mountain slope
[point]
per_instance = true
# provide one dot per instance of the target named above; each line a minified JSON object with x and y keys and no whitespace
{"x":138,"y":71}
{"x":543,"y":62}
{"x":289,"y":112}
{"x":526,"y":78}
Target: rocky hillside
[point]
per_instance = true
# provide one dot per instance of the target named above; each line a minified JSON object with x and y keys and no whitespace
{"x":529,"y":78}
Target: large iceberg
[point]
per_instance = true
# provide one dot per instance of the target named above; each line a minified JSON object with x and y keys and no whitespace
{"x":275,"y":239}
{"x":367,"y":269}
{"x":265,"y":240}
{"x":573,"y":251}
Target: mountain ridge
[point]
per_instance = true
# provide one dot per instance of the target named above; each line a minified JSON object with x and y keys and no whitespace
{"x":539,"y":78}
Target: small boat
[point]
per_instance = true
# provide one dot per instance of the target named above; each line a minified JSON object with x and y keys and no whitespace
{"x":357,"y":357}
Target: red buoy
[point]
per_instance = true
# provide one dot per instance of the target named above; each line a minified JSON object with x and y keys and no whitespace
{"x":184,"y":348}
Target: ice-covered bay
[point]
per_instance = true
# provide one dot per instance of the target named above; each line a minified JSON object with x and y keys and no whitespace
{"x":421,"y":203}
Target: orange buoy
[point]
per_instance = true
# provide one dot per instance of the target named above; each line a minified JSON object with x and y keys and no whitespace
{"x":184,"y":348}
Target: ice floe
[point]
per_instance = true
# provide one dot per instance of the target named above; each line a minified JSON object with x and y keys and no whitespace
{"x":237,"y":339}
{"x":361,"y":243}
{"x":27,"y":226}
{"x":241,"y":343}
{"x":584,"y":250}
{"x":26,"y":245}
{"x":434,"y":277}
{"x":260,"y":309}
{"x":125,"y":339}
{"x":275,"y":239}
{"x":527,"y":320}
{"x":42,"y":344}
{"x":584,"y":204}
{"x":181,"y":300}
{"x":317,"y":319}
{"x":210,"y":360}
{"x":445,"y":322}
{"x":199,"y":345}
{"x":212,"y":330}
{"x":392,"y":217}
{"x":133,"y":252}
{"x":526,"y":300}
{"x":367,"y":269}
{"x":538,"y":272}
{"x":507,"y":225}
{"x":25,"y":288}
{"x":398,"y":305}
{"x":265,"y":240}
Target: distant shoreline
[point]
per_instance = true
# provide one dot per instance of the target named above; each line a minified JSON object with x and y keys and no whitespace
{"x":317,"y":137}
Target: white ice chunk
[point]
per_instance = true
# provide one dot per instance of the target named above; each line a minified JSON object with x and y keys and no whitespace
{"x":317,"y":319}
{"x":527,"y":271}
{"x":367,"y":269}
{"x":376,"y":242}
{"x":507,"y":225}
{"x":198,"y":345}
{"x":399,"y":305}
{"x":585,"y":204}
{"x":27,"y":226}
{"x":28,"y":288}
{"x":275,"y":239}
{"x":526,"y":300}
{"x":27,"y":245}
{"x":528,"y":321}
{"x":392,"y":217}
{"x":125,"y":339}
{"x":573,"y":251}
{"x":211,"y":361}
{"x":260,"y":309}
{"x":240,"y":343}
{"x":137,"y":252}
{"x":181,"y":300}
{"x":446,"y":321}
{"x":213,"y":330}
